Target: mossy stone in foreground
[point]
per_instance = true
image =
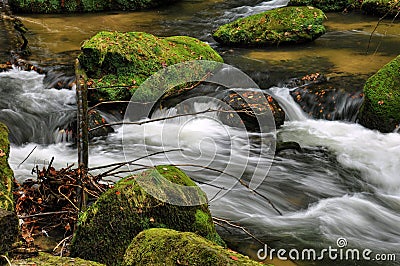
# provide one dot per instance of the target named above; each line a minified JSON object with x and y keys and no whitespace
{"x":159,"y":246}
{"x":128,"y":59}
{"x":6,"y":174}
{"x":107,"y":228}
{"x":381,"y":7}
{"x":8,"y":230}
{"x":45,"y":259}
{"x":381,"y":107}
{"x":277,"y":26}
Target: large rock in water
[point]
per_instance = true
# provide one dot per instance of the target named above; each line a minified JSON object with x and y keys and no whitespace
{"x":113,"y":59}
{"x":6,"y":174}
{"x":381,"y":107}
{"x":107,"y":228}
{"x":273,"y":27}
{"x":68,"y":6}
{"x":159,"y":246}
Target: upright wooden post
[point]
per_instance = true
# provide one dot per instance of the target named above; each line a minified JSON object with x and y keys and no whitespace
{"x":82,"y":131}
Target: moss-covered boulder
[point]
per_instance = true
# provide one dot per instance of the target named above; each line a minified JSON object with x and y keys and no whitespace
{"x":381,"y":7}
{"x":45,"y":259}
{"x":328,"y":5}
{"x":8,"y":230}
{"x":273,"y":27}
{"x":68,"y":6}
{"x":113,"y":59}
{"x":381,"y":107}
{"x":137,"y":203}
{"x":6,"y":174}
{"x":160,"y":246}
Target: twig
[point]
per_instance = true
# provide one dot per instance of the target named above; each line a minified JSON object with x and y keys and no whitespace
{"x":151,"y":120}
{"x":48,"y":168}
{"x":61,"y":242}
{"x":26,"y":158}
{"x":132,"y":161}
{"x":377,"y":24}
{"x":237,"y":226}
{"x":241,"y":182}
{"x":139,"y":123}
{"x":8,"y":261}
{"x":59,"y":191}
{"x":41,"y":214}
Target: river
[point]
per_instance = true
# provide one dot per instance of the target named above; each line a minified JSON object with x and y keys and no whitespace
{"x":344,"y":185}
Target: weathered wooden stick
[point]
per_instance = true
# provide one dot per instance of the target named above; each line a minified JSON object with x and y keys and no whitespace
{"x":83,"y":132}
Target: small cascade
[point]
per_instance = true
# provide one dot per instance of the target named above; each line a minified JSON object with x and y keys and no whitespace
{"x":329,"y":104}
{"x":32,"y":112}
{"x":64,"y":136}
{"x":245,"y":11}
{"x":292,"y":110}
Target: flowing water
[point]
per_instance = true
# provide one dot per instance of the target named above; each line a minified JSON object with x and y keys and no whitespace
{"x":345,"y":183}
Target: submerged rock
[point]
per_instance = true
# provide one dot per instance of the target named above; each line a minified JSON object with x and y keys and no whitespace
{"x":45,"y":259}
{"x":6,"y":174}
{"x":107,"y":228}
{"x":273,"y":27}
{"x":250,"y":106}
{"x":381,"y":7}
{"x":70,"y":6}
{"x":287,"y":145}
{"x":113,"y":59}
{"x":381,"y":106}
{"x":160,"y":246}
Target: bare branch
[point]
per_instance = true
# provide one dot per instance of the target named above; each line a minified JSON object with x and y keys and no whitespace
{"x":379,"y":21}
{"x":132,"y":161}
{"x":220,"y":220}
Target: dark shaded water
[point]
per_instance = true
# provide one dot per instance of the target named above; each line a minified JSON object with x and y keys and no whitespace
{"x":344,"y":185}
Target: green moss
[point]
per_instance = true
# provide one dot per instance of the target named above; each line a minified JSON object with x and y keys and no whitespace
{"x":9,"y":231}
{"x":169,"y":247}
{"x":6,"y":174}
{"x":203,"y":223}
{"x":45,"y":259}
{"x":121,"y":213}
{"x":381,"y":106}
{"x":381,"y":7}
{"x":327,"y":5}
{"x":277,"y":26}
{"x":115,"y":59}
